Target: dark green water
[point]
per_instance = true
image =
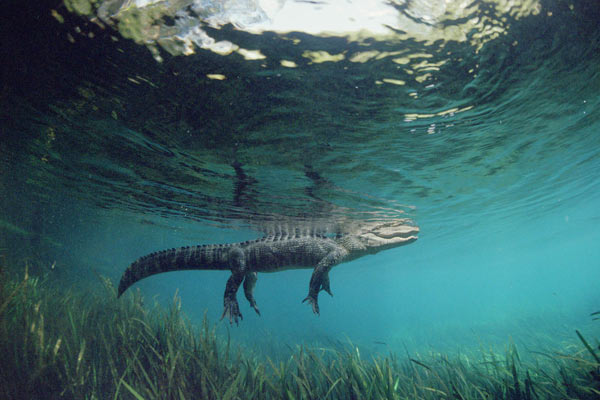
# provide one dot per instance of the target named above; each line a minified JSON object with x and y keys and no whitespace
{"x":491,"y":144}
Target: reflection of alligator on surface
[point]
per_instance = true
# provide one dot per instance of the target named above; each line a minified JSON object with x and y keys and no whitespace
{"x":242,"y":188}
{"x":320,"y":217}
{"x":317,"y":237}
{"x":319,"y":241}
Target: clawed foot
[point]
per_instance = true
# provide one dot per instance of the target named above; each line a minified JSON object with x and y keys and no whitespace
{"x":253,"y":305}
{"x":325,"y":287}
{"x":325,"y":284}
{"x":313,"y":302}
{"x":232,"y":311}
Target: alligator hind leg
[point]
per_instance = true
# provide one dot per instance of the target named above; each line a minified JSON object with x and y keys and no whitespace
{"x":249,"y":283}
{"x":231,"y":306}
{"x":238,"y":272}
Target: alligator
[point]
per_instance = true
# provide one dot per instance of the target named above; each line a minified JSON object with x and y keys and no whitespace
{"x":272,"y":254}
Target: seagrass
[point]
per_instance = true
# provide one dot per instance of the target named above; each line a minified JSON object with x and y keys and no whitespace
{"x":63,"y":344}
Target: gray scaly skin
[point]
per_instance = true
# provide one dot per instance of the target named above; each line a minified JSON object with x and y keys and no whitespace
{"x":273,"y":254}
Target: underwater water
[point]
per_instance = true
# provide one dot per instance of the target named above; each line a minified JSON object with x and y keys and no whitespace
{"x":132,"y":127}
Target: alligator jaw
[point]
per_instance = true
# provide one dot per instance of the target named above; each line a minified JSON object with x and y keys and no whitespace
{"x":390,"y":235}
{"x":396,"y":232}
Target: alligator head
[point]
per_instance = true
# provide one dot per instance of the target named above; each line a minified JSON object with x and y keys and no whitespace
{"x":378,"y":236}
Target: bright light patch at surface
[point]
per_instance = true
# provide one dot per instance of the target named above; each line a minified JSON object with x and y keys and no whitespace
{"x":178,"y":26}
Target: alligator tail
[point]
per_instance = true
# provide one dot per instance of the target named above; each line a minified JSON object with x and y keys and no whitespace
{"x":207,"y":257}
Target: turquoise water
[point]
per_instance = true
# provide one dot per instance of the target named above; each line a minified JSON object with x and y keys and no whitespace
{"x":491,"y":145}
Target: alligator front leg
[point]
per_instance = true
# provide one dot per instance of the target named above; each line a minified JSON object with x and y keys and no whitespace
{"x":320,"y":280}
{"x":249,"y":283}
{"x":325,"y":283}
{"x":314,"y":287}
